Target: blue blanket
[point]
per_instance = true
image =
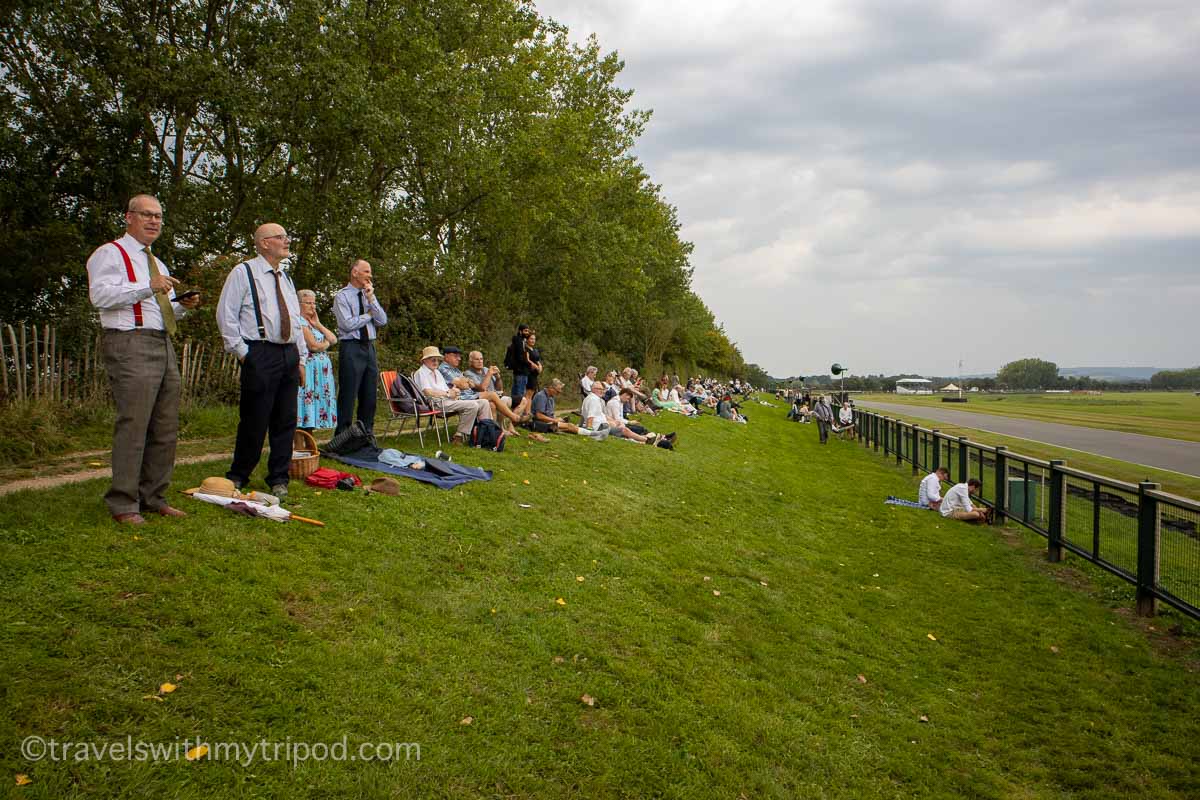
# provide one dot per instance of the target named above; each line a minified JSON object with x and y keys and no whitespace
{"x":444,"y":474}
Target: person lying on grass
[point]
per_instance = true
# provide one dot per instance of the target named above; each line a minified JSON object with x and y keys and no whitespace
{"x":544,"y":421}
{"x":957,"y":503}
{"x":930,"y":493}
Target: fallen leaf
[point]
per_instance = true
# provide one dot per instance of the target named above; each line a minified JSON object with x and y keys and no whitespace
{"x":559,"y":659}
{"x":862,"y":678}
{"x":762,"y":583}
{"x":587,"y":700}
{"x":526,"y":481}
{"x":533,"y":535}
{"x":137,"y":538}
{"x":197,"y":752}
{"x":579,"y":578}
{"x":152,"y":697}
{"x":716,"y":592}
{"x":707,"y":578}
{"x":1053,"y":648}
{"x":876,"y":575}
{"x":466,"y":720}
{"x":524,"y":454}
{"x":931,"y":637}
{"x":526,"y":505}
{"x":493,"y":611}
{"x":23,"y":779}
{"x":561,"y":602}
{"x":318,"y":494}
{"x":854,"y":716}
{"x":167,"y":688}
{"x":922,"y":718}
{"x":95,"y":463}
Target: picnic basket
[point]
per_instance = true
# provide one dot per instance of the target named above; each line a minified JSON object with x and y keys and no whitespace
{"x":303,"y":466}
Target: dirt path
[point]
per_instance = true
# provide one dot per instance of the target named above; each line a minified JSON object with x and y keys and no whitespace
{"x":50,"y":481}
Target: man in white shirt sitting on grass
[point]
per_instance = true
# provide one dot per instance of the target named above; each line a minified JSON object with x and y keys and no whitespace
{"x":930,"y":493}
{"x":957,"y":503}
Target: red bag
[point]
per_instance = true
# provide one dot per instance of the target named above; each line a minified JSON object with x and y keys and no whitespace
{"x":326,"y":478}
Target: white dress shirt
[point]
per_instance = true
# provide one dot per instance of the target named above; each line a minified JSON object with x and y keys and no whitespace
{"x":592,"y":412}
{"x":427,"y":378}
{"x":586,"y":384}
{"x":615,"y":409}
{"x":235,"y":310}
{"x":111,"y":291}
{"x":958,"y":498}
{"x":931,"y":489}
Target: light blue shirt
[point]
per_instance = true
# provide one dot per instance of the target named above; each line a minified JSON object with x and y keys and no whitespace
{"x":235,"y":309}
{"x":349,"y":322}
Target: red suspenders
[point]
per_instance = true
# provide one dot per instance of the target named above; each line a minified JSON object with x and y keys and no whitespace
{"x":137,"y":307}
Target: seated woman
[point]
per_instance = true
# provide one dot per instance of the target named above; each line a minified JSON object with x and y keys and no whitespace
{"x":660,"y":397}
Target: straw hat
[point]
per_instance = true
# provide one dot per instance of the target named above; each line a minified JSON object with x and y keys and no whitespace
{"x":385,"y":486}
{"x":430,"y":352}
{"x":221,"y":487}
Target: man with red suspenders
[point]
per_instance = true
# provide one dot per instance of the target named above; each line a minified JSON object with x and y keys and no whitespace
{"x":135,"y":295}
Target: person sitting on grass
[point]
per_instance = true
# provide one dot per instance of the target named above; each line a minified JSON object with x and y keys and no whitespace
{"x":957,"y":503}
{"x":727,"y":409}
{"x":930,"y":493}
{"x":544,"y":421}
{"x":660,"y":398}
{"x":596,"y":417}
{"x":585,"y":383}
{"x":501,"y":406}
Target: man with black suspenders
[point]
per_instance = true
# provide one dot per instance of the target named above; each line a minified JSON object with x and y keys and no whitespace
{"x":134,"y":293}
{"x":259,"y":319}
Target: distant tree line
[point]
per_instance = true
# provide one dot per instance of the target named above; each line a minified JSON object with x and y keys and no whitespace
{"x":1176,"y":379}
{"x":480,"y":160}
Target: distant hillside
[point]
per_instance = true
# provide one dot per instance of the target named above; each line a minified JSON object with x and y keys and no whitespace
{"x":1112,"y":373}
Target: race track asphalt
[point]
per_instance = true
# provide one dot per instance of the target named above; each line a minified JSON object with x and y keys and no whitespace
{"x":1149,"y":451}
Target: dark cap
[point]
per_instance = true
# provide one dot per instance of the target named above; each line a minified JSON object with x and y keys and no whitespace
{"x":449,"y":350}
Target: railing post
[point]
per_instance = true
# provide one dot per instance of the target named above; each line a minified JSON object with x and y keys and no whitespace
{"x":876,"y":436}
{"x":1001,"y":479}
{"x":937,"y":451}
{"x":1149,"y":532}
{"x":1057,"y":510}
{"x":887,"y":426}
{"x":899,"y":443}
{"x":964,"y":461}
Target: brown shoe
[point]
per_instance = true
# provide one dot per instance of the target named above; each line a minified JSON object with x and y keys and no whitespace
{"x":130,"y":518}
{"x":168,"y":511}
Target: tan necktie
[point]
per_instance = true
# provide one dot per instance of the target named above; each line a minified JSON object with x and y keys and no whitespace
{"x":285,"y":319}
{"x":164,"y":304}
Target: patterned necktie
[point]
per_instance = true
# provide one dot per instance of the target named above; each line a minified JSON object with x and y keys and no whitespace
{"x":285,"y":319}
{"x":164,"y":304}
{"x":363,"y":333}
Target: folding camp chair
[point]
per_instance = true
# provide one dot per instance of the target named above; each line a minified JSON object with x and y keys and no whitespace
{"x":397,"y":409}
{"x":440,"y":412}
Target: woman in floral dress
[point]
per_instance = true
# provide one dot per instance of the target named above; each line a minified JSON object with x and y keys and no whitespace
{"x":317,"y":404}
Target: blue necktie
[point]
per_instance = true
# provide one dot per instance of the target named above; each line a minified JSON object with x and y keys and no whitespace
{"x":363,"y":333}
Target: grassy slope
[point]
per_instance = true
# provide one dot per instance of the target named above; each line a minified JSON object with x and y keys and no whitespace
{"x":408,"y":614}
{"x":1175,"y":415}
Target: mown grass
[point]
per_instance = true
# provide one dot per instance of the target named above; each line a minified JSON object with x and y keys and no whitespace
{"x":1174,"y":415}
{"x":408,"y":614}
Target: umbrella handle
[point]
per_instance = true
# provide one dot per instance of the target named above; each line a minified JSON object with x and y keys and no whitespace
{"x":299,"y":518}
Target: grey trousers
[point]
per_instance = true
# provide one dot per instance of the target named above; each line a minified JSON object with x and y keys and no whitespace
{"x":467,"y":411}
{"x":145,"y":383}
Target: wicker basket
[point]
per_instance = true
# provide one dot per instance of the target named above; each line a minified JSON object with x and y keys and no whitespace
{"x":303,"y":466}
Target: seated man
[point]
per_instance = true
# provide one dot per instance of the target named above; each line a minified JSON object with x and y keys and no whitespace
{"x":484,"y":379}
{"x":431,"y":383}
{"x":930,"y":493}
{"x":957,"y":503}
{"x":544,"y":421}
{"x":468,"y":390}
{"x":585,"y":383}
{"x":614,"y":412}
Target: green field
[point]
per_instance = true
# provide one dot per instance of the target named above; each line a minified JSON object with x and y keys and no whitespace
{"x":1174,"y":415}
{"x":732,"y":594}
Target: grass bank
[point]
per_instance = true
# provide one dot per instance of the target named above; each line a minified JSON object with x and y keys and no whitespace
{"x":718,"y":606}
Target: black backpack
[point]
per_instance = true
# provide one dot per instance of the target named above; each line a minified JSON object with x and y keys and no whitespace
{"x":407,"y":398}
{"x":487,"y":435}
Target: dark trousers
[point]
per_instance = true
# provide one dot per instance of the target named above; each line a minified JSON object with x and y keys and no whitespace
{"x":145,"y":383}
{"x":270,"y":382}
{"x":358,"y":372}
{"x":823,"y":430}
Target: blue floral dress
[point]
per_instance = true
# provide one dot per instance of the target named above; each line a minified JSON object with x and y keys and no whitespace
{"x":317,"y":406}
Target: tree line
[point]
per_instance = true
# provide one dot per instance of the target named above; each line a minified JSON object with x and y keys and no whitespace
{"x":480,"y":160}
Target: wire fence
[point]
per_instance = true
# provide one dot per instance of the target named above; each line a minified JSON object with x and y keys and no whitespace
{"x":1135,"y":531}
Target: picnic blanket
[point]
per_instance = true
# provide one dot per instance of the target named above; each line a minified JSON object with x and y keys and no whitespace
{"x":898,"y":501}
{"x":443,"y":474}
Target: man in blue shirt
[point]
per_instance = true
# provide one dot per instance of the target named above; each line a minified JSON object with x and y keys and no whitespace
{"x":452,"y":372}
{"x":359,"y":317}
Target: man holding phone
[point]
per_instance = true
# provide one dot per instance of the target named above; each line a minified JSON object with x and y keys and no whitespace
{"x":133,"y":292}
{"x":359,"y":317}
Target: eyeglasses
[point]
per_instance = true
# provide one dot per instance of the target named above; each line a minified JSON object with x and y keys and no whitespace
{"x":282,"y":236}
{"x":149,"y":215}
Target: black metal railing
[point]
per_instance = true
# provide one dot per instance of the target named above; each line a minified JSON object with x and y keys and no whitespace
{"x":1135,"y":531}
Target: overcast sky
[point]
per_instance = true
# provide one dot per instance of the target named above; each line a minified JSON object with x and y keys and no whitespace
{"x":897,"y":185}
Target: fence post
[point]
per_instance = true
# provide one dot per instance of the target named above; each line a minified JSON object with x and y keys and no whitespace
{"x":887,"y":428}
{"x":878,"y":425}
{"x":1001,"y":479}
{"x":1149,"y":532}
{"x":914,"y":449}
{"x":964,"y":461}
{"x":899,"y":442}
{"x":937,"y":451}
{"x":1058,"y":481}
